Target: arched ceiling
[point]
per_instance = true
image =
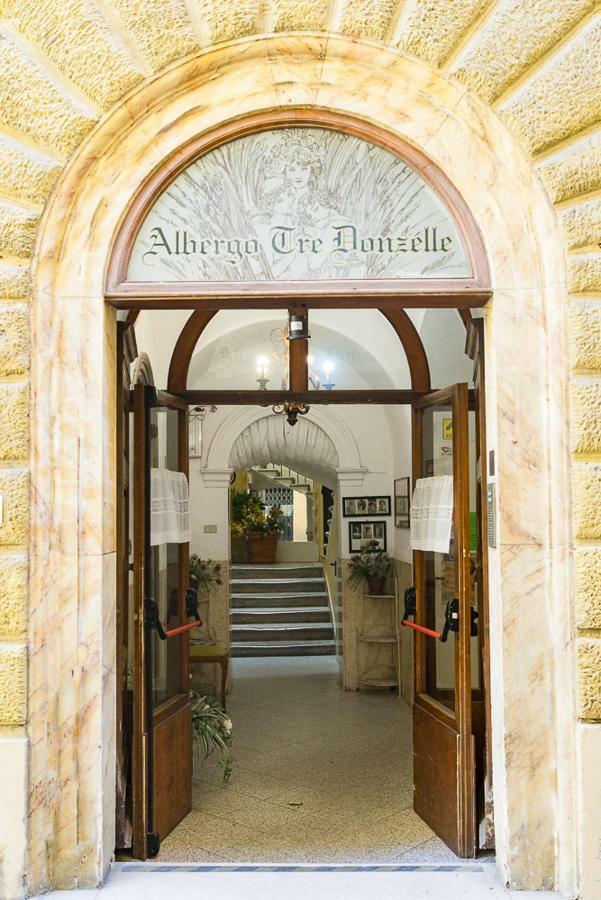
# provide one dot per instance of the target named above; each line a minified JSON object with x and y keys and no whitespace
{"x":226,"y":360}
{"x":65,"y":63}
{"x":304,"y":447}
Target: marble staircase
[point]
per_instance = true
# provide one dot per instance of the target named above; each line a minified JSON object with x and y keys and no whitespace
{"x":280,"y":610}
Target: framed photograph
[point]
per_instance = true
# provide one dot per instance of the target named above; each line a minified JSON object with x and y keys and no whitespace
{"x":350,"y":506}
{"x":367,"y":536}
{"x":402,"y":502}
{"x":366,"y":506}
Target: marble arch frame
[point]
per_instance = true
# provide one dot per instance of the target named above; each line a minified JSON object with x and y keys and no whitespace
{"x":71,"y":689}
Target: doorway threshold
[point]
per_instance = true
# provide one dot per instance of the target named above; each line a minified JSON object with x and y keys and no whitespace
{"x":469,"y":866}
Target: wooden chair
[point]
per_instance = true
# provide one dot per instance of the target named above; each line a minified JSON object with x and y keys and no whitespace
{"x":215,"y":655}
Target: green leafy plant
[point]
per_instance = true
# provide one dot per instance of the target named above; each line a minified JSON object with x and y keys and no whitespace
{"x":212,"y":731}
{"x":204,"y":573}
{"x":249,"y":517}
{"x":367,"y":565}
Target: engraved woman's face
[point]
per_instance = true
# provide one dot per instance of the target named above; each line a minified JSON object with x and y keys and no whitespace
{"x":298,"y":175}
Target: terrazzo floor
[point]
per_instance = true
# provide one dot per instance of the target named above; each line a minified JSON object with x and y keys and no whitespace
{"x":321,"y":776}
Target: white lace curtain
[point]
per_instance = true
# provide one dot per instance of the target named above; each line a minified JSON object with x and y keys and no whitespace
{"x":432,"y":514}
{"x":169,"y":507}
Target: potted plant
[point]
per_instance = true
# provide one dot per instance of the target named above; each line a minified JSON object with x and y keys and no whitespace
{"x":260,"y":530}
{"x":204,"y":573}
{"x":372,"y":566}
{"x":212,"y":730}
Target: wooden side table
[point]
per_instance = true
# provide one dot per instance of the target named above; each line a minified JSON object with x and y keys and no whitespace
{"x":209,"y":653}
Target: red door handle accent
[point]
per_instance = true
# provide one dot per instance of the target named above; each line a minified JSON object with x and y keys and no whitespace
{"x":429,"y":631}
{"x":181,"y":628}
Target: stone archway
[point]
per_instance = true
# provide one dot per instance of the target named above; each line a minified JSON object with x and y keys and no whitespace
{"x":325,"y":420}
{"x":306,"y":448}
{"x":73,"y":475}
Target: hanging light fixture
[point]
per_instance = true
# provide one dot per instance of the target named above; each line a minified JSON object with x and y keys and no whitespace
{"x":298,"y":329}
{"x":298,"y":326}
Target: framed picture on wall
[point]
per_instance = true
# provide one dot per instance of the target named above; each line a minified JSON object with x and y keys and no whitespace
{"x":402,"y":502}
{"x":365,"y":506}
{"x":367,"y":536}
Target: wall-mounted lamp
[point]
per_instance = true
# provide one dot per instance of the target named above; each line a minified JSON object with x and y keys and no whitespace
{"x":196,"y":416}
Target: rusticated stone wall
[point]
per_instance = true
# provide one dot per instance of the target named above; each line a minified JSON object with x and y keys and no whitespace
{"x":64,"y":64}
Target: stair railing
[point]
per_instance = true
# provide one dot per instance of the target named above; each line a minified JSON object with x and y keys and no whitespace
{"x":331,"y":564}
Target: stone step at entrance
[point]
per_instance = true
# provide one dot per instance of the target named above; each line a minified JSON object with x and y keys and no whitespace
{"x":280,"y":610}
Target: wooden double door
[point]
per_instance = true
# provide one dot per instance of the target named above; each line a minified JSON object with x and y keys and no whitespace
{"x":451,"y":763}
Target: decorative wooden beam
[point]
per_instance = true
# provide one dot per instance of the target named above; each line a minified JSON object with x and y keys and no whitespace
{"x":181,"y":357}
{"x":413,"y":347}
{"x":313,"y":398}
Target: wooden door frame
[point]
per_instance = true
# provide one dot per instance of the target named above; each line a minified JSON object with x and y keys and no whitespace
{"x":390,"y":296}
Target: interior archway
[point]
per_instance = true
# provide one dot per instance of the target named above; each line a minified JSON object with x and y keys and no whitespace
{"x":306,"y":448}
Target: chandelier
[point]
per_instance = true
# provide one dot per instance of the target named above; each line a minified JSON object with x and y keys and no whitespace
{"x":291,"y":410}
{"x":279,"y":358}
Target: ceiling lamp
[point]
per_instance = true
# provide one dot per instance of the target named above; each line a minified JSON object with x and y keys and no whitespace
{"x":298,"y":326}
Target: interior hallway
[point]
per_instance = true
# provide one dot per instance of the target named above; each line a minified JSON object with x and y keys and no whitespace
{"x":321,"y":775}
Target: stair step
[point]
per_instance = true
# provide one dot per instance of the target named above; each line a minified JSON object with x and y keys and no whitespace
{"x":278,"y":631}
{"x":292,"y":600}
{"x":283,"y":648}
{"x":280,"y":614}
{"x":268,"y":586}
{"x":277,"y":570}
{"x":270,"y":581}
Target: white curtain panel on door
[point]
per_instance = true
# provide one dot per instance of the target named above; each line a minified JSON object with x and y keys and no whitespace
{"x":169,"y":507}
{"x":432,"y":514}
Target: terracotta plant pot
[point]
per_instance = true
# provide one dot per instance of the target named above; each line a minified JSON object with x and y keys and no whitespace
{"x":262,"y":548}
{"x":376,"y":584}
